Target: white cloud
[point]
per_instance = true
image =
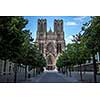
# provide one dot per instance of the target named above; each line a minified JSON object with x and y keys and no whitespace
{"x":80,"y":18}
{"x":71,"y":23}
{"x":68,"y":39}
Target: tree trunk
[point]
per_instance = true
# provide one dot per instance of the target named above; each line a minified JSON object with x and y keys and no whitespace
{"x":70,"y":72}
{"x":81,"y":72}
{"x":84,"y":70}
{"x":5,"y":62}
{"x":15,"y":77}
{"x":25,"y":72}
{"x":35,"y":71}
{"x":66,"y":71}
{"x":4,"y":70}
{"x":95,"y":68}
{"x":15,"y":73}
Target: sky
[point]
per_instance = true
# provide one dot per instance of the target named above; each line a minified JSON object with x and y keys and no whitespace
{"x":72,"y":24}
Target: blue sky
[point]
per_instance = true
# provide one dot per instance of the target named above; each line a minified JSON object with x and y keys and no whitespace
{"x":72,"y":24}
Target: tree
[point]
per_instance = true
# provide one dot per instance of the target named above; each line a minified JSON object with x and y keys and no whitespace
{"x":11,"y":33}
{"x":72,"y":55}
{"x":91,"y":33}
{"x":12,"y":38}
{"x":63,"y":62}
{"x":16,"y":44}
{"x":82,"y":52}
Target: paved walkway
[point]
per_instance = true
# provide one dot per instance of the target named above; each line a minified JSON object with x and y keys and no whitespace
{"x":52,"y":77}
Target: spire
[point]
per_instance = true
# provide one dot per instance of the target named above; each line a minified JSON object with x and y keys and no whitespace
{"x":50,"y":30}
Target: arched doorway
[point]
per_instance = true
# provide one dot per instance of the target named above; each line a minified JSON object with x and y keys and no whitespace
{"x":50,"y":62}
{"x":50,"y":59}
{"x":50,"y":47}
{"x":50,"y":55}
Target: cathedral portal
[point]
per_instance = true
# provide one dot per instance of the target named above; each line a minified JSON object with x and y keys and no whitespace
{"x":50,"y":43}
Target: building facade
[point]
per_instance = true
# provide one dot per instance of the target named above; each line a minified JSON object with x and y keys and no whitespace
{"x":50,"y":43}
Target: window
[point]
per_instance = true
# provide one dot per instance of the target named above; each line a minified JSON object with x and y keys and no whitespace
{"x":58,"y":48}
{"x":40,"y":36}
{"x":50,"y":48}
{"x":58,"y":36}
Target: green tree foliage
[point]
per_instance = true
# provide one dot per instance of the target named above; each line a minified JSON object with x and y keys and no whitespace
{"x":75,"y":53}
{"x":91,"y":36}
{"x":12,"y":36}
{"x":16,"y":43}
{"x":61,"y":61}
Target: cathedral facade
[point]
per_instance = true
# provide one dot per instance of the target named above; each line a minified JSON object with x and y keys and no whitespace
{"x":50,"y":43}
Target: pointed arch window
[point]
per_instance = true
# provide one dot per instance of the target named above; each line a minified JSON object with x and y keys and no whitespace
{"x":50,"y":48}
{"x":58,"y":48}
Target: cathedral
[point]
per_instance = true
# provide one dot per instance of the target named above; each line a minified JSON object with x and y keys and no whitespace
{"x":50,"y":43}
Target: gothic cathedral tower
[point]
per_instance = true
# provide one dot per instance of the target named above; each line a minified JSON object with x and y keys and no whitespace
{"x":50,"y":43}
